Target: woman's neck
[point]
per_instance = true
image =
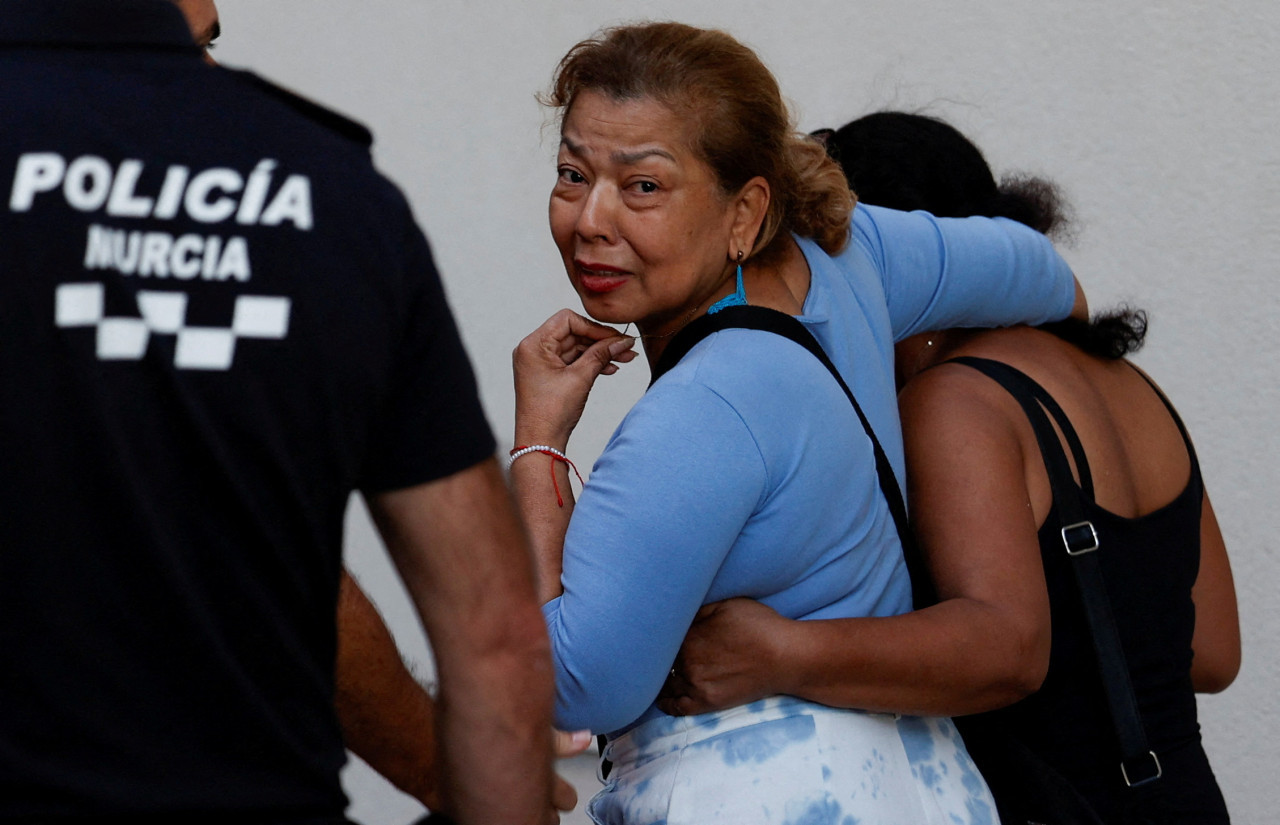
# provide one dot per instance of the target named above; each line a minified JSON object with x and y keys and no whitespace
{"x":781,"y":284}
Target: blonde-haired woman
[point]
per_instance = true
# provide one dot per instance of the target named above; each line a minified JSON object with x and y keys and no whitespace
{"x":684,"y":191}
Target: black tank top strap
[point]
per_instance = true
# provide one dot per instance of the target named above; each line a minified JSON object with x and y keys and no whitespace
{"x":1177,"y":419}
{"x":1035,"y":401}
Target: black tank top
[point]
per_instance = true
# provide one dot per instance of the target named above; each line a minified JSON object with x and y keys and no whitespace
{"x":1149,"y":564}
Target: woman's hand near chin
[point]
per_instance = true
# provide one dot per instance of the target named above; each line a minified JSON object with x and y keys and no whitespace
{"x":555,"y":367}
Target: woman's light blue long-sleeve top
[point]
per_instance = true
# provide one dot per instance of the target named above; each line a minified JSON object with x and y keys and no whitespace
{"x":744,"y":471}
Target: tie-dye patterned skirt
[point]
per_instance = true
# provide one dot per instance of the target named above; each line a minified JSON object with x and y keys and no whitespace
{"x":784,"y":761}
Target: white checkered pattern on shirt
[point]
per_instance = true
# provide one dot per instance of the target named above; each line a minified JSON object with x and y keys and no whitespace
{"x":164,"y":313}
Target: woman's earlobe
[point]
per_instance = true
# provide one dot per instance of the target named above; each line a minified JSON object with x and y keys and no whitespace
{"x":753,"y":209}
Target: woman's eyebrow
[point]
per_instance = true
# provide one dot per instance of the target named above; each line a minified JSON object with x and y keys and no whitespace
{"x":628,"y":158}
{"x":619,"y":156}
{"x":574,"y":149}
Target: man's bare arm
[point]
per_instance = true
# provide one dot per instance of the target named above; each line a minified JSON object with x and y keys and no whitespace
{"x":387,"y":718}
{"x":462,"y":554}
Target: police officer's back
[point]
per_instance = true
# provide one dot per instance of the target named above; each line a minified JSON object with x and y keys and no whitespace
{"x":216,"y":321}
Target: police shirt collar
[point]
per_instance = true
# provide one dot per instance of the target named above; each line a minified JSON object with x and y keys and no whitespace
{"x":95,"y":24}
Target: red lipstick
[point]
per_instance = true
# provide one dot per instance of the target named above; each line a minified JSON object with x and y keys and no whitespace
{"x":600,"y":278}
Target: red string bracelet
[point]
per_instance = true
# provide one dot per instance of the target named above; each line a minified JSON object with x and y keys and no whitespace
{"x":556,"y":455}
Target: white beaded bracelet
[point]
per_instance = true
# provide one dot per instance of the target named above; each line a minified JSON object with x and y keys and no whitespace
{"x":535,"y":448}
{"x":555,"y":456}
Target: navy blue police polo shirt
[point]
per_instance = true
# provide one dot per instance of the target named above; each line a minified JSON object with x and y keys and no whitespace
{"x":216,"y":322}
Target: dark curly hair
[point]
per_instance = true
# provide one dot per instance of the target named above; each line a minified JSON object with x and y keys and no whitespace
{"x":909,"y":161}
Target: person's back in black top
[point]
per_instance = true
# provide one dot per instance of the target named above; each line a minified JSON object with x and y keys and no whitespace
{"x":1149,"y":564}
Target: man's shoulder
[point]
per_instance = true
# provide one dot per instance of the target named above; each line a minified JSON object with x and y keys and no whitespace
{"x":316,"y":113}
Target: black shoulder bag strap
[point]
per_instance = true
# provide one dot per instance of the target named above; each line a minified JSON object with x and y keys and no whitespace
{"x":1139,"y":764}
{"x":779,"y":323}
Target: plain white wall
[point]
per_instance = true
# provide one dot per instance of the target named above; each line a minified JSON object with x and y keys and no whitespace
{"x":1159,"y":120}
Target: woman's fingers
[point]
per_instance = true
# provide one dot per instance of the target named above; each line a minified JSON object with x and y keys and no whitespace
{"x":555,"y":367}
{"x":574,"y":334}
{"x":571,"y":743}
{"x":678,"y":698}
{"x":567,"y":743}
{"x":564,"y":797}
{"x":565,"y":337}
